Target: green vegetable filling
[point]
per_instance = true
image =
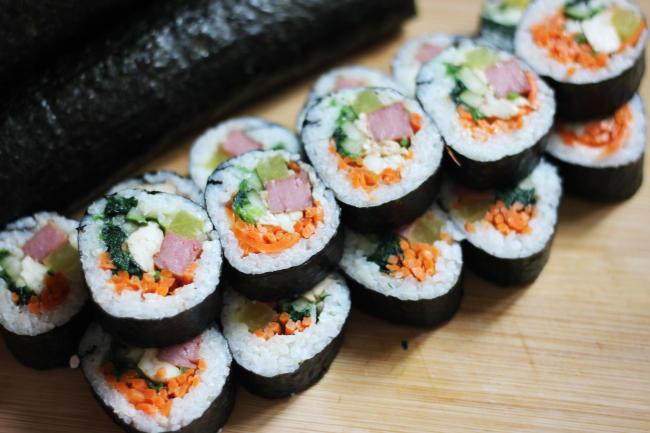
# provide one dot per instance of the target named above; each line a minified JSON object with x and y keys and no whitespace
{"x":523,"y":196}
{"x":387,"y":246}
{"x":297,"y":308}
{"x":118,"y":355}
{"x":114,"y":237}
{"x":116,"y":206}
{"x":247,"y":203}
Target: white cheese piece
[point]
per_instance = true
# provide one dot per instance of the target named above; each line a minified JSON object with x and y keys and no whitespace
{"x":377,"y":163}
{"x":573,"y":26}
{"x":150,"y":365}
{"x":317,"y":290}
{"x":144,"y":243}
{"x":33,"y":274}
{"x":285,"y":220}
{"x":601,"y":34}
{"x":166,"y":186}
{"x":502,"y":108}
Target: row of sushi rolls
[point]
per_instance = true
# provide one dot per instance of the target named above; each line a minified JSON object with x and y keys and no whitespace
{"x":170,"y":289}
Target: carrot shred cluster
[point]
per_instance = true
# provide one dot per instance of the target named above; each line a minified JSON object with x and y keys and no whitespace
{"x":419,"y":260}
{"x":511,"y":219}
{"x":281,"y":324}
{"x":362,"y":177}
{"x":609,"y":134}
{"x":53,"y":294}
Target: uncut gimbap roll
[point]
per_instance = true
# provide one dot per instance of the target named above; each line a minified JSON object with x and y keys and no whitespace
{"x":508,"y":232}
{"x":592,"y":52}
{"x":411,"y":276}
{"x":42,"y":290}
{"x":413,"y":54}
{"x":499,"y":21}
{"x":152,"y":261}
{"x":378,"y":151}
{"x":234,"y":137}
{"x":187,"y":388}
{"x":492,"y":111}
{"x":281,"y":348}
{"x":346,"y":77}
{"x":162,"y":181}
{"x":278,"y":223}
{"x":603,"y":159}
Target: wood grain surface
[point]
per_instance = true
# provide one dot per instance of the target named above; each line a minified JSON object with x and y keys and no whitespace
{"x":569,"y":353}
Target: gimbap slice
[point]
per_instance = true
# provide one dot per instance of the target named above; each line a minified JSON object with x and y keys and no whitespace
{"x":278,"y":223}
{"x":492,"y":111}
{"x":499,"y":21}
{"x":602,"y":160}
{"x":152,"y":261}
{"x":411,"y":276}
{"x":42,"y":290}
{"x":413,"y":54}
{"x":163,"y":181}
{"x":187,"y":388}
{"x":592,"y":52}
{"x":284,"y":347}
{"x":378,"y":151}
{"x":234,"y":137}
{"x":508,"y":232}
{"x":346,"y":77}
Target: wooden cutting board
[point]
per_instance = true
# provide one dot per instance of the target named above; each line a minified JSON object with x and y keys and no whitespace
{"x":569,"y":353}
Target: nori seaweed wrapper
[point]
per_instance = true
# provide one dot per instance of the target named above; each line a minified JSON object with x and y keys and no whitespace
{"x":50,"y":349}
{"x":183,"y":65}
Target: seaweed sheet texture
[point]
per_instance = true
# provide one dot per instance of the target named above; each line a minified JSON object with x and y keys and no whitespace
{"x":186,"y":63}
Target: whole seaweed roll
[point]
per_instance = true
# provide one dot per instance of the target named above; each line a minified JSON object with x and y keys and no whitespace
{"x":152,"y":261}
{"x":410,"y":276}
{"x":163,"y":181}
{"x":499,"y":21}
{"x":378,"y":151}
{"x":413,"y":54}
{"x":42,"y":290}
{"x":493,"y":113}
{"x":346,"y":77}
{"x":278,"y":223}
{"x":603,"y":159}
{"x":234,"y":137}
{"x":508,"y":232}
{"x":592,"y":52}
{"x":186,"y":388}
{"x":284,"y":347}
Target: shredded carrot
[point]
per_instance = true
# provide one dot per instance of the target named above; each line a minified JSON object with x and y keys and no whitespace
{"x":445,"y":237}
{"x":483,"y":129}
{"x":470,"y":227}
{"x":281,"y":324}
{"x":105,"y":262}
{"x":632,"y":40}
{"x":416,"y":122}
{"x":293,"y":166}
{"x":53,"y":294}
{"x":510,"y":219}
{"x":14,"y":297}
{"x":419,"y":261}
{"x":362,"y":177}
{"x":532,"y":83}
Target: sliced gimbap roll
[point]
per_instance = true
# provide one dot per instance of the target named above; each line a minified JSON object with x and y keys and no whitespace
{"x":592,"y":52}
{"x":163,"y":181}
{"x":234,"y":137}
{"x":411,"y":276}
{"x":284,"y":347}
{"x":152,"y":261}
{"x":492,"y":111}
{"x":187,"y":388}
{"x":346,"y":77}
{"x":378,"y":151}
{"x":413,"y":54}
{"x":499,"y":21}
{"x":42,"y":290}
{"x":508,"y":232}
{"x":602,"y":160}
{"x":278,"y":223}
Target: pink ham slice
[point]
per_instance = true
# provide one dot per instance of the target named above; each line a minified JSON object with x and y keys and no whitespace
{"x":289,"y":194}
{"x":44,"y":242}
{"x":177,"y":253}
{"x":405,"y":231}
{"x":390,"y":122}
{"x":506,"y":78}
{"x":182,"y":355}
{"x":427,"y":52}
{"x":348,"y":83}
{"x":237,"y":143}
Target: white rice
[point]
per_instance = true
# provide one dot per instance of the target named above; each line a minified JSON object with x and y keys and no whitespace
{"x":434,"y":87}
{"x":327,"y":84}
{"x":217,"y":197}
{"x":284,"y":353}
{"x":590,"y":156}
{"x":548,"y":189}
{"x":405,"y":65}
{"x":268,"y":134}
{"x":426,"y":146}
{"x":539,"y":59}
{"x":135,"y":304}
{"x":214,"y":351}
{"x":449,"y":264}
{"x":153,"y":180}
{"x":18,"y":319}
